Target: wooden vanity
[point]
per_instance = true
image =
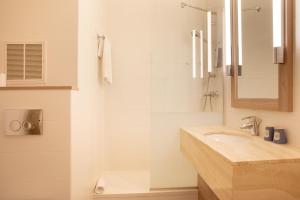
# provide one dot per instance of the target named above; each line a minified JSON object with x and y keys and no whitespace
{"x":232,"y":165}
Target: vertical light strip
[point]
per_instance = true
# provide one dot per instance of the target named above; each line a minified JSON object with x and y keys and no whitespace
{"x":209,"y":41}
{"x":24,"y":62}
{"x":277,"y":23}
{"x":228,"y":36}
{"x":240,"y":33}
{"x":201,"y":54}
{"x":194,"y":35}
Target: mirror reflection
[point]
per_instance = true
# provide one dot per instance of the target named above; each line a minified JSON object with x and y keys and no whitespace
{"x":259,"y":74}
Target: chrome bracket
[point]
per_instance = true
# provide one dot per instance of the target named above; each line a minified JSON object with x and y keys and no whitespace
{"x":278,"y":55}
{"x":228,"y":70}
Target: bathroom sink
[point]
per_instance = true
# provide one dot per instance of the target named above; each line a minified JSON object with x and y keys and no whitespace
{"x":226,"y":137}
{"x":237,"y":166}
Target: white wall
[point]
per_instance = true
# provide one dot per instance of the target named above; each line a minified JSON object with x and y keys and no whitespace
{"x":144,"y":42}
{"x":127,"y":100}
{"x":169,"y":168}
{"x":36,"y":167}
{"x":290,"y":121}
{"x":53,"y":21}
{"x":66,"y":161}
{"x":175,"y":96}
{"x":87,"y":104}
{"x":153,"y":93}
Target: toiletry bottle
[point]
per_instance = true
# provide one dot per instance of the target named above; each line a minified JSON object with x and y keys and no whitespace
{"x":280,"y":136}
{"x":269,"y":133}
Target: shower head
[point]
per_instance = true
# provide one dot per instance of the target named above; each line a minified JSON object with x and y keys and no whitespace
{"x":256,"y":9}
{"x":198,"y":36}
{"x":183,"y":5}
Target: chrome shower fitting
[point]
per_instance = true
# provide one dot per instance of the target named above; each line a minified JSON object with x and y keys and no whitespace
{"x":198,"y":36}
{"x":256,"y":9}
{"x":212,"y":75}
{"x":210,"y":95}
{"x":183,"y":5}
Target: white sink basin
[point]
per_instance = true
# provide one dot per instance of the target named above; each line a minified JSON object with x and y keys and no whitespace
{"x":227,"y":137}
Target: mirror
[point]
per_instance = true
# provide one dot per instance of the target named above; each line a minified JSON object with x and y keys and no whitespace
{"x":258,"y":76}
{"x":261,"y":34}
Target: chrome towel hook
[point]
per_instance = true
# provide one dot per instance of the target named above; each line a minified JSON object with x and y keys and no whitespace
{"x":100,"y":37}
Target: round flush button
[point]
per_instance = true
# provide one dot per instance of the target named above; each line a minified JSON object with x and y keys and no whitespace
{"x":27,"y":126}
{"x":15,"y":125}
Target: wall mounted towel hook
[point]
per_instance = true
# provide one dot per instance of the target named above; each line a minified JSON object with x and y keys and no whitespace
{"x":100,"y":37}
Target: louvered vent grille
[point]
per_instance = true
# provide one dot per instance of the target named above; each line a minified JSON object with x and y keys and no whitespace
{"x":24,"y":62}
{"x":15,"y":61}
{"x":33,"y":61}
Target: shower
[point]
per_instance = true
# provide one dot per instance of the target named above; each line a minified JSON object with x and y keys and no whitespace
{"x":183,"y":5}
{"x":256,"y":9}
{"x":210,"y":93}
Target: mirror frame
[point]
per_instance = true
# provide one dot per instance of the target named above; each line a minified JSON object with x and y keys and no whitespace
{"x":285,"y":101}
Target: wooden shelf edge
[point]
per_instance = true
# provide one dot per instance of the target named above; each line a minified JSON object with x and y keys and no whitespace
{"x":37,"y":88}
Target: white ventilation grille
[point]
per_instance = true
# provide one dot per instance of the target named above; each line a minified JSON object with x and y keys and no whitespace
{"x":15,"y":62}
{"x":25,"y":62}
{"x":33,"y":61}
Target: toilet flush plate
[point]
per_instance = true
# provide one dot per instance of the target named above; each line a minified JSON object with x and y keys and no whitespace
{"x":19,"y":122}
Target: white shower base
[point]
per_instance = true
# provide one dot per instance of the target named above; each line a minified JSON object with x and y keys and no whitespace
{"x":126,"y":182}
{"x":166,"y":194}
{"x":135,"y":185}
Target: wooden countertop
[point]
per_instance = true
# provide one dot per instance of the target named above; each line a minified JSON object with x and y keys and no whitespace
{"x":254,"y":150}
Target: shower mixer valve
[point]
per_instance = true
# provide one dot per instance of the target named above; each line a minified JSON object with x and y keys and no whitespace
{"x":211,"y":94}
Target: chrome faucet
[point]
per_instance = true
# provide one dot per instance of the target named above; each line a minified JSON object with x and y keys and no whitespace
{"x":252,"y":125}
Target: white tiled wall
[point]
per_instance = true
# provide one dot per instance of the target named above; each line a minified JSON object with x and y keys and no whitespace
{"x":153,"y":92}
{"x":169,"y":168}
{"x":87,"y":106}
{"x":127,"y":100}
{"x":65,"y":161}
{"x":36,"y":167}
